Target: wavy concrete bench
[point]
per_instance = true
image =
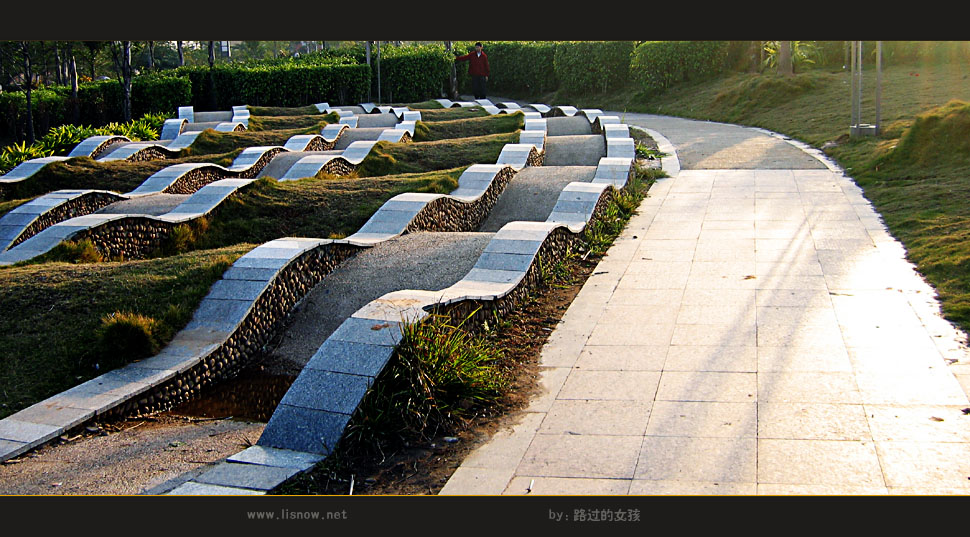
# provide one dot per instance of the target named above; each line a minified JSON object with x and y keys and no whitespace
{"x":89,"y":147}
{"x":189,"y":177}
{"x":18,"y":433}
{"x":314,"y":412}
{"x":230,"y":304}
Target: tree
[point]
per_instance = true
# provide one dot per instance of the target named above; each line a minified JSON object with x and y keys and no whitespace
{"x":28,"y":75}
{"x":181,"y":53}
{"x":453,"y":79}
{"x":784,"y":58}
{"x":151,"y":55}
{"x":122,"y":60}
{"x":94,"y":49}
{"x":212,"y":54}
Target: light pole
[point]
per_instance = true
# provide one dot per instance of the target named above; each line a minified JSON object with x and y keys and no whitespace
{"x":857,"y":128}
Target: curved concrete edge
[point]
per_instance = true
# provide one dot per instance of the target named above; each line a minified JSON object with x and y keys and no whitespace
{"x":315,"y":411}
{"x":171,"y":128}
{"x":312,"y":416}
{"x":520,"y":155}
{"x":89,"y":147}
{"x":200,"y":204}
{"x":560,"y":110}
{"x":410,"y":211}
{"x":95,"y":145}
{"x":670,"y":163}
{"x":24,"y":430}
{"x":139,"y":151}
{"x":21,"y":223}
{"x":28,"y":168}
{"x":448,"y":103}
{"x":220,"y":313}
{"x":332,"y":132}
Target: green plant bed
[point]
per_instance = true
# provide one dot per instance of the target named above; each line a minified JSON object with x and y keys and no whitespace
{"x":85,"y":172}
{"x":283,"y":111}
{"x":213,"y":142}
{"x":61,"y":334}
{"x":430,"y":104}
{"x":292,"y":121}
{"x":448,"y":114}
{"x":463,"y":128}
{"x":329,"y":206}
{"x":393,"y":158}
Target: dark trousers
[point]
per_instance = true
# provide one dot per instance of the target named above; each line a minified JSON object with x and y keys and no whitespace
{"x":478,"y":86}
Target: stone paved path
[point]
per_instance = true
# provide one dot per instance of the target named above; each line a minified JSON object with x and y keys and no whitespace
{"x":755,"y":330}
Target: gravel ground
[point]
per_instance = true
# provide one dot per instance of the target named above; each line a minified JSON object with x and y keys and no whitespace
{"x":532,"y":194}
{"x":143,"y":454}
{"x":574,"y":150}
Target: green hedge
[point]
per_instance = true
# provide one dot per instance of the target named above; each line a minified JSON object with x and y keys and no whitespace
{"x":592,"y":66}
{"x":411,"y":73}
{"x":288,"y":85}
{"x":99,"y":103}
{"x":656,"y":65}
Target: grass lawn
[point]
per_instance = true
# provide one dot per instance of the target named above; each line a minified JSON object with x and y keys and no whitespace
{"x":330,"y":206}
{"x":464,"y":128}
{"x":52,"y":342}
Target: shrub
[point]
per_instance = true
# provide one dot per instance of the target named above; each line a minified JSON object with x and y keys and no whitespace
{"x":124,"y":337}
{"x":412,"y":73}
{"x":439,"y":375}
{"x":656,"y":65}
{"x":289,"y":85}
{"x":592,"y":66}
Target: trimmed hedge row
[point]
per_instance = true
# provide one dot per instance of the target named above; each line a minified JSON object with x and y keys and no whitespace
{"x":287,"y":85}
{"x":656,"y":65}
{"x":411,"y":73}
{"x":592,"y":66}
{"x":99,"y":103}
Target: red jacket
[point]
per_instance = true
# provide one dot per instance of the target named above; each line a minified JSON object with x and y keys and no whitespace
{"x":477,"y":65}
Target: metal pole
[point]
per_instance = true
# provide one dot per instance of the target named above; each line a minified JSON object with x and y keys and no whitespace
{"x":878,"y":86}
{"x":367,"y":53}
{"x":852,"y":99}
{"x":858,"y":105}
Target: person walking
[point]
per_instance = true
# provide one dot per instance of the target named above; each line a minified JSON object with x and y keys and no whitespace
{"x":478,"y":69}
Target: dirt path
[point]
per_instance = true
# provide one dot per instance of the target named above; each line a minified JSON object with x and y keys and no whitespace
{"x":127,"y":457}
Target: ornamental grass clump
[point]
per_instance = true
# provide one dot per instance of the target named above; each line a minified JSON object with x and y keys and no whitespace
{"x":440,"y":376}
{"x":125,"y":336}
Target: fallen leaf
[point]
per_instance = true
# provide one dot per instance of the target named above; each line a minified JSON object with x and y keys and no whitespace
{"x":380,"y":326}
{"x":749,"y":277}
{"x":934,"y":418}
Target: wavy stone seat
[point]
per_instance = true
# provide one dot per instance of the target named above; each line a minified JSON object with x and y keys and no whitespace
{"x":311,"y":419}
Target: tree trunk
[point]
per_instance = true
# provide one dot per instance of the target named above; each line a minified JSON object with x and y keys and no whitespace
{"x":72,"y":76}
{"x":28,"y":74}
{"x":151,"y":55}
{"x":60,"y":65}
{"x":453,"y":78}
{"x":181,"y":53}
{"x":212,"y":54}
{"x":126,"y":83}
{"x":784,"y":58}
